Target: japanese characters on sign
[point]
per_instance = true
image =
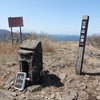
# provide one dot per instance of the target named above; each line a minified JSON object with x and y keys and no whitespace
{"x":83,"y":33}
{"x":15,"y":21}
{"x":20,"y":80}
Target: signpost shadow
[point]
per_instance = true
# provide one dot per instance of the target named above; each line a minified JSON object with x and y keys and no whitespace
{"x":91,"y":74}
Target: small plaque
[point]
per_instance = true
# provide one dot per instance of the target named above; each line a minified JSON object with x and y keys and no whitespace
{"x":20,"y":80}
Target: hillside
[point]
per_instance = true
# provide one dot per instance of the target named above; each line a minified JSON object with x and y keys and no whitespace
{"x":4,"y":31}
{"x":61,"y":82}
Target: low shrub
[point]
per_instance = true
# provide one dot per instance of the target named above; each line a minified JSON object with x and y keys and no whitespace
{"x":48,"y":46}
{"x":94,"y":40}
{"x":6,"y":48}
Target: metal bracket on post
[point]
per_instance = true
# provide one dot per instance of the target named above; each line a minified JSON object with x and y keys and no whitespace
{"x":82,"y":42}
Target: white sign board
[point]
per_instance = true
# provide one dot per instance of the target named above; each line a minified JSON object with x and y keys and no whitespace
{"x":20,"y":80}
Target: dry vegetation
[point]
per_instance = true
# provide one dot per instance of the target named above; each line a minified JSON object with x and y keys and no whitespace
{"x":48,"y":46}
{"x":94,"y":40}
{"x":6,"y":48}
{"x":8,"y":51}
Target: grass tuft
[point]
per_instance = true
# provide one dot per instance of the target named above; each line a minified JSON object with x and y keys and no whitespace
{"x":6,"y":48}
{"x":48,"y":46}
{"x":7,"y":51}
{"x":94,"y":40}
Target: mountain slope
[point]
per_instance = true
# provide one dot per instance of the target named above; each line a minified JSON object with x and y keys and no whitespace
{"x":4,"y":31}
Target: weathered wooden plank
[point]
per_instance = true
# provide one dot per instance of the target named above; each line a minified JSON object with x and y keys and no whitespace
{"x":82,"y":41}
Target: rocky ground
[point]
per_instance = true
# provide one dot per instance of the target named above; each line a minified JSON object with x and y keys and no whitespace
{"x":60,"y":80}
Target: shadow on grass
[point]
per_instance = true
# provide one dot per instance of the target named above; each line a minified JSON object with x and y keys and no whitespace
{"x":91,"y":74}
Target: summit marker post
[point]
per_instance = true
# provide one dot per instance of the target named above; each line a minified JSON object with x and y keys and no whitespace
{"x":82,"y":42}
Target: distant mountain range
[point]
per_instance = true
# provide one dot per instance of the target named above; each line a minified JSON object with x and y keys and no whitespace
{"x":4,"y":31}
{"x":7,"y":34}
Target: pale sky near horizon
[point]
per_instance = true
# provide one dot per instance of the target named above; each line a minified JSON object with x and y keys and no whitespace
{"x":52,"y":16}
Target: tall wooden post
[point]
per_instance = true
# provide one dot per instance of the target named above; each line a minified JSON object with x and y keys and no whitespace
{"x":82,"y":42}
{"x":20,"y":35}
{"x":12,"y":35}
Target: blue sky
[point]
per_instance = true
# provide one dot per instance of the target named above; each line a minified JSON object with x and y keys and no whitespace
{"x":52,"y":16}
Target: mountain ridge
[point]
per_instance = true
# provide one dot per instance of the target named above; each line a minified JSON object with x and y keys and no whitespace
{"x":4,"y":31}
{"x":57,"y":37}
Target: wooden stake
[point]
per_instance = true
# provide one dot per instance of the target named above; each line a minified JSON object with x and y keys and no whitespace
{"x":82,"y":43}
{"x":12,"y":35}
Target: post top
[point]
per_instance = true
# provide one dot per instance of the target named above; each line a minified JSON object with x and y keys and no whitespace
{"x":85,"y":17}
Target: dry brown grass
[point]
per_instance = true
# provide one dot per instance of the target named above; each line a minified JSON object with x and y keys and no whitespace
{"x":94,"y":40}
{"x":48,"y":46}
{"x":8,"y":52}
{"x":7,"y":48}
